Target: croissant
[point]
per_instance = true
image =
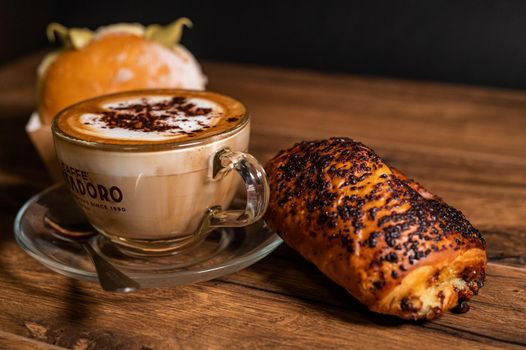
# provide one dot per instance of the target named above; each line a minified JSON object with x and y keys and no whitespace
{"x":396,"y":247}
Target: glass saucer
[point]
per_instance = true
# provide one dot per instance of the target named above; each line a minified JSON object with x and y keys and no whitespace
{"x":223,"y":252}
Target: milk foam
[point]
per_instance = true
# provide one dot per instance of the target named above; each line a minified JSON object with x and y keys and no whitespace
{"x":174,"y":122}
{"x":163,"y":116}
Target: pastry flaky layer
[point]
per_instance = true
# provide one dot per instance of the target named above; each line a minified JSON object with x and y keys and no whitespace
{"x":393,"y":245}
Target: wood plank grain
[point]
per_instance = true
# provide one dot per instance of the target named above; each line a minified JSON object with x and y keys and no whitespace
{"x":293,"y":308}
{"x":466,"y":144}
{"x":484,"y":177}
{"x":503,"y":298}
{"x":444,"y":136}
{"x":13,"y":341}
{"x":441,"y":115}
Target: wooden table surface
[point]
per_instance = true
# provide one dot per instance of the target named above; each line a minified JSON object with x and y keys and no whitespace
{"x":467,"y":144}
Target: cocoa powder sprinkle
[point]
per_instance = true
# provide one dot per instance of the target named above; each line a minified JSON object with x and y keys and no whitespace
{"x":139,"y":116}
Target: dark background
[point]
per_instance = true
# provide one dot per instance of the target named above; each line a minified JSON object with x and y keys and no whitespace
{"x":474,"y":42}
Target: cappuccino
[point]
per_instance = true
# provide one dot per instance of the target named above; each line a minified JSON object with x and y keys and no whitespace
{"x":132,"y":119}
{"x":141,"y":164}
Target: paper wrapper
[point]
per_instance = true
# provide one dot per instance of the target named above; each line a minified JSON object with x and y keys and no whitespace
{"x":42,"y":139}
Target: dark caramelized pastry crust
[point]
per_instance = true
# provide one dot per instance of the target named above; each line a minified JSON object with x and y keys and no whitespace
{"x":393,"y":245}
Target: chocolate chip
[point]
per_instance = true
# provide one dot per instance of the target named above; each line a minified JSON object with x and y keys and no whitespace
{"x":462,"y":307}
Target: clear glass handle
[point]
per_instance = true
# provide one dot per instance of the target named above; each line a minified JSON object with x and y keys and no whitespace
{"x":256,"y":186}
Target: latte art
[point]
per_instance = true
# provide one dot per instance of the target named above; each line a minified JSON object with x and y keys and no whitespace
{"x":157,"y":118}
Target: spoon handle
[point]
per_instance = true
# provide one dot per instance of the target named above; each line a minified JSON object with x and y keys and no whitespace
{"x":110,"y":279}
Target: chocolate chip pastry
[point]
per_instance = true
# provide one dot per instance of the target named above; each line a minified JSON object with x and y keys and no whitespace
{"x":396,"y":247}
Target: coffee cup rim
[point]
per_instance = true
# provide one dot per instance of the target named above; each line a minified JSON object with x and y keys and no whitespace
{"x":148,"y":147}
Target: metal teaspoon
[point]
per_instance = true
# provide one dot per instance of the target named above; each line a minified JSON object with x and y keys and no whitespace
{"x":75,"y":228}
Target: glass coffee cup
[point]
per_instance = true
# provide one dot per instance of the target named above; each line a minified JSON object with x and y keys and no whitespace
{"x":155,"y":170}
